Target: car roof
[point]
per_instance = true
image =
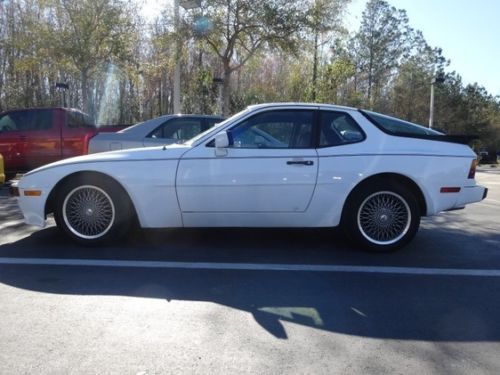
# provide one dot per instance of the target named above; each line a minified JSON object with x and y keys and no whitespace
{"x":35,"y":109}
{"x":300,"y":104}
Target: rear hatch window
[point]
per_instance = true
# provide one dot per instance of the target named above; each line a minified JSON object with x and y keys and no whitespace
{"x":395,"y":126}
{"x":401,"y":128}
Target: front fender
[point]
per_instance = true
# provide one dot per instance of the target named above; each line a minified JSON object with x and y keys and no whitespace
{"x":150,"y":185}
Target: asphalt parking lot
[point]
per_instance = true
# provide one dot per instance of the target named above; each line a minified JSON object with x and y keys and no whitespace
{"x":253,"y":301}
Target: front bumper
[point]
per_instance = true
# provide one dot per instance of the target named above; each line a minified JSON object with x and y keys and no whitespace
{"x":14,"y":190}
{"x":32,"y":207}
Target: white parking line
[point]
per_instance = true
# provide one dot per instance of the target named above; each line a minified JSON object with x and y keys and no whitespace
{"x":489,"y":204}
{"x":492,"y":200}
{"x":251,"y":266}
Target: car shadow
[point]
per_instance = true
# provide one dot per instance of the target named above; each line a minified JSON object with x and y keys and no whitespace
{"x":386,"y":306}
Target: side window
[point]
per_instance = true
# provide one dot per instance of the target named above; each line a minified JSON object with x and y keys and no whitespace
{"x":26,"y":121}
{"x":181,"y":129}
{"x":338,"y":128}
{"x":158,"y":132}
{"x":7,"y":123}
{"x":79,"y":120}
{"x":88,"y":121}
{"x":275,"y":129}
{"x":75,"y":120}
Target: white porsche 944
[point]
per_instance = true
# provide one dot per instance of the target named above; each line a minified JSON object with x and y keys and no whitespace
{"x":271,"y":165}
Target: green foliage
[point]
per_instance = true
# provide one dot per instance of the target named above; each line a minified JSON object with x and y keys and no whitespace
{"x":332,"y":87}
{"x":383,"y":40}
{"x":87,"y":35}
{"x":241,"y":28}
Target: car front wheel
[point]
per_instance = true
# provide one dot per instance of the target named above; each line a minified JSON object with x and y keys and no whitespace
{"x":92,"y":210}
{"x":381,"y":217}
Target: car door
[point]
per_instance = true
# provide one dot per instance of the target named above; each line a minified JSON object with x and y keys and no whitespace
{"x":270,"y":166}
{"x":175,"y":130}
{"x":30,"y":139}
{"x":42,"y":138}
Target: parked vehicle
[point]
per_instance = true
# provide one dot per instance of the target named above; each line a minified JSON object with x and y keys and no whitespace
{"x":33,"y":137}
{"x":273,"y":165}
{"x":163,"y":130}
{"x":2,"y":173}
{"x":486,"y":157}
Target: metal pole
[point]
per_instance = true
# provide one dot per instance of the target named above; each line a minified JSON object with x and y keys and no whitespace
{"x":177,"y":70}
{"x":431,"y":115}
{"x":220,"y":103}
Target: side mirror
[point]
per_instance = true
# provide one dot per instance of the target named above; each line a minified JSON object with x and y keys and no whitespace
{"x":221,"y":143}
{"x":221,"y":140}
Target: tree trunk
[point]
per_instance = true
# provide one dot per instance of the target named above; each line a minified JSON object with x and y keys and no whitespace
{"x":85,"y":90}
{"x":315,"y":66}
{"x":370,"y":83}
{"x":226,"y":90}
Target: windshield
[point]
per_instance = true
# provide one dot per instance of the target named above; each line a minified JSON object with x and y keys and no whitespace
{"x":133,"y":127}
{"x":215,"y":129}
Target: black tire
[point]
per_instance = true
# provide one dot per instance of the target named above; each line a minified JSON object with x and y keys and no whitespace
{"x":93,"y":209}
{"x":381,"y":216}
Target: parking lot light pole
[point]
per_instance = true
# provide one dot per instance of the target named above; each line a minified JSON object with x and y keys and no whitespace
{"x":437,"y":79}
{"x":186,"y":4}
{"x":62,"y":87}
{"x":177,"y":69}
{"x":219,"y":82}
{"x":431,"y":105}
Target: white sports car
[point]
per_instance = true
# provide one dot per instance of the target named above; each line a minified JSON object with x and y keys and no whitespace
{"x":271,"y":165}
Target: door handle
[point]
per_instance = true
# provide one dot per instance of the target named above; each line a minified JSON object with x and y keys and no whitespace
{"x":299,"y":162}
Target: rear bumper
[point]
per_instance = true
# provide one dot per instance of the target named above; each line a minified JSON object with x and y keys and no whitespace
{"x":453,"y":201}
{"x":471,"y":194}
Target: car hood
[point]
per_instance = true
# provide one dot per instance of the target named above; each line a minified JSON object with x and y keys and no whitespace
{"x":173,"y":151}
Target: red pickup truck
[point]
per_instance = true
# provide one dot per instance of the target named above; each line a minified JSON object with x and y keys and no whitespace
{"x":30,"y":138}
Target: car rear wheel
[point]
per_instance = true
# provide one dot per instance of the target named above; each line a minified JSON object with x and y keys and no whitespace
{"x":92,"y":209}
{"x":381,"y":217}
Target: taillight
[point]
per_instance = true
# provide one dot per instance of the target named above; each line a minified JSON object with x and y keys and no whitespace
{"x":86,"y":141}
{"x":472,"y":170}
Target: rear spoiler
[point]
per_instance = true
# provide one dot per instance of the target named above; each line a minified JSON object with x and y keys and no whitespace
{"x":462,"y":139}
